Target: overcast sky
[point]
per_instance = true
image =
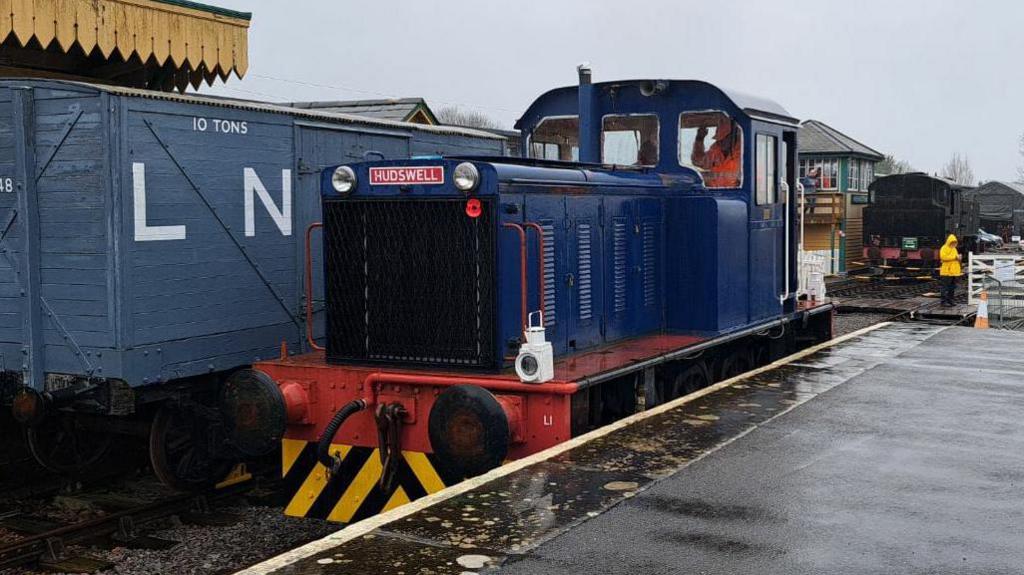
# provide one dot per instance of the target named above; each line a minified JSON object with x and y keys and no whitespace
{"x":918,"y":79}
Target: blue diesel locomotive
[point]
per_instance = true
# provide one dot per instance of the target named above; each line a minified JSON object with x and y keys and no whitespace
{"x":480,"y":309}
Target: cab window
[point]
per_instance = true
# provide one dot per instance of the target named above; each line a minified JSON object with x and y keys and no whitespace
{"x":712,"y":144}
{"x":765,"y":164}
{"x":556,"y":139}
{"x":630,"y":140}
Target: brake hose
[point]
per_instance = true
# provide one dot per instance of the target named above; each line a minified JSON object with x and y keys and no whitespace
{"x":323,"y":447}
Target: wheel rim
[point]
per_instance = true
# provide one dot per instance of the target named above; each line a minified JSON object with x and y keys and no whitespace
{"x":63,"y":445}
{"x":689,"y":381}
{"x":735,"y":365}
{"x":178,"y":453}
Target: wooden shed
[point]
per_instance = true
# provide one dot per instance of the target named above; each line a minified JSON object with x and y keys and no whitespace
{"x":154,"y":44}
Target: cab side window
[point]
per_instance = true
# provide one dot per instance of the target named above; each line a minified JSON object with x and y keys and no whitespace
{"x":630,"y":140}
{"x":556,"y":139}
{"x":712,"y":144}
{"x":765,"y":166}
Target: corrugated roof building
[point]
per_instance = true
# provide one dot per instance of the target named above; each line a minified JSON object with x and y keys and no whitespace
{"x":1001,"y":207}
{"x":414,"y":110}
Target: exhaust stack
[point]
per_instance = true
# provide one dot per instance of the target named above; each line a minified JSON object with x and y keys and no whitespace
{"x":588,"y":132}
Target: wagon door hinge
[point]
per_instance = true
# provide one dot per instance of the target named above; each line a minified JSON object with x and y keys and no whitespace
{"x":303,"y":168}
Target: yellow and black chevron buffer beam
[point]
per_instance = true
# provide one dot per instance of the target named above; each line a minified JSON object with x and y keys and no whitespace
{"x":359,"y":442}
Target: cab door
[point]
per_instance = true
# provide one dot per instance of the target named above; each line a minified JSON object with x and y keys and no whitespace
{"x":767,"y":267}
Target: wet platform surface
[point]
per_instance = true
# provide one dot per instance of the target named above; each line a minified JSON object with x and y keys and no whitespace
{"x":912,"y":462}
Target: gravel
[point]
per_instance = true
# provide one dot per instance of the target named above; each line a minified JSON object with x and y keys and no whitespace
{"x":260,"y":533}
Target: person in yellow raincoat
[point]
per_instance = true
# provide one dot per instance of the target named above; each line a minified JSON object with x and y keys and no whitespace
{"x":950,"y":270}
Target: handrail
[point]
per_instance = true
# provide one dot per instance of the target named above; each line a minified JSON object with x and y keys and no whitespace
{"x":522,"y":270}
{"x":540,"y":259}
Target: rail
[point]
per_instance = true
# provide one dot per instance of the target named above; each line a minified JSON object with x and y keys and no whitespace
{"x":33,"y":548}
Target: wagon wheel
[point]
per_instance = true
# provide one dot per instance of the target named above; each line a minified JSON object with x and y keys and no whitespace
{"x":63,"y":444}
{"x":690,"y":380}
{"x":762,"y":356}
{"x":179,"y":451}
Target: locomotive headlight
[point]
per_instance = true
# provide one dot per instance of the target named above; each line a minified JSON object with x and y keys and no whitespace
{"x":343,"y":180}
{"x":466,"y":177}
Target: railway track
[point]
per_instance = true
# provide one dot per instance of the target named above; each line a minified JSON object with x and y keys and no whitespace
{"x":879,"y":289}
{"x":51,"y":548}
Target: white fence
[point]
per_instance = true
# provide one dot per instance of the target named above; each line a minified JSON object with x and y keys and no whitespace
{"x":986,"y":270}
{"x":1001,"y":276}
{"x":812,"y":269}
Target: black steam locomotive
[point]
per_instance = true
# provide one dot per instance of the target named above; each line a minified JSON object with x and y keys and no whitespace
{"x":908,"y":219}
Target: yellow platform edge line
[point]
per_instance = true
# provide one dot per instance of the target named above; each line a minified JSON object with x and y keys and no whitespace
{"x":366,"y":526}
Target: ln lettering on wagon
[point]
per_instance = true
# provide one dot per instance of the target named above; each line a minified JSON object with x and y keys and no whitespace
{"x":152,"y":245}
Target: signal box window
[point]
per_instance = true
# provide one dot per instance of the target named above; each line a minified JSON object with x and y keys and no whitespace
{"x":630,"y":140}
{"x":556,"y":139}
{"x":824,"y":172}
{"x":712,"y":144}
{"x":765,"y":169}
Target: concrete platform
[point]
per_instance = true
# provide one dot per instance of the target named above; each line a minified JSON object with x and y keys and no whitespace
{"x":897,"y":450}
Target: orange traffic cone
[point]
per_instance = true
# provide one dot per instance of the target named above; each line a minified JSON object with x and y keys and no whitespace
{"x":981,"y":319}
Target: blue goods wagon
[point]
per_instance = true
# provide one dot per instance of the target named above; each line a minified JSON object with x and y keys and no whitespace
{"x":151,"y":243}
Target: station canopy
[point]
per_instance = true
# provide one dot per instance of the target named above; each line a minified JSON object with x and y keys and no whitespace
{"x":154,"y":44}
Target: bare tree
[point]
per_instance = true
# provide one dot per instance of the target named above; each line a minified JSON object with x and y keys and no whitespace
{"x":958,"y":169}
{"x":1020,"y":169}
{"x":890,"y":165}
{"x":455,"y":116}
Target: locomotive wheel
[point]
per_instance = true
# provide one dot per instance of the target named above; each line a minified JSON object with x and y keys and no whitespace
{"x":690,"y":380}
{"x":735,"y":363}
{"x":63,"y":444}
{"x":180,"y":453}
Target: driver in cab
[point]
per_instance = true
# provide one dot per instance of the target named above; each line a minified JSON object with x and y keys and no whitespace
{"x":720,"y":162}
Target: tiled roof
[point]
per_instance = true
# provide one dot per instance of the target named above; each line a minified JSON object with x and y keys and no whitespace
{"x":820,"y":138}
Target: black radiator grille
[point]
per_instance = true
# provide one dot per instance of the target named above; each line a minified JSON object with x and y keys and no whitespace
{"x":409,"y":281}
